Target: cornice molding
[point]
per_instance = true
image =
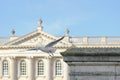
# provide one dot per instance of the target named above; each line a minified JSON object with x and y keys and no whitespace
{"x":92,"y":55}
{"x":16,"y":42}
{"x":22,"y":39}
{"x":28,"y":47}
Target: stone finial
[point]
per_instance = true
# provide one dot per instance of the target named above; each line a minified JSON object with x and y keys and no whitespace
{"x":40,"y":24}
{"x":13,"y":32}
{"x":67,"y":32}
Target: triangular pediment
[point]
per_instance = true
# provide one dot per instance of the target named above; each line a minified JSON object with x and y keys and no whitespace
{"x":36,"y":38}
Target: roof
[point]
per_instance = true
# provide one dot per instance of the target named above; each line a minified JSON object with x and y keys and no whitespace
{"x":32,"y":40}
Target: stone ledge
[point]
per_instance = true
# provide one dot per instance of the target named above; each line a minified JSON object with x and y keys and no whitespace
{"x":94,"y":74}
{"x":92,"y":55}
{"x":92,"y":59}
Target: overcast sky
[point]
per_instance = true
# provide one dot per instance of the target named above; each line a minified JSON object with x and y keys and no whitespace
{"x":82,"y":17}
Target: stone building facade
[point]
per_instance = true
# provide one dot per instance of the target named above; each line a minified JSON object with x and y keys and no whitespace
{"x":16,"y":63}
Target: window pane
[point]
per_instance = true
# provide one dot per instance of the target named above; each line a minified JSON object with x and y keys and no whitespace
{"x":58,"y":68}
{"x":40,"y":68}
{"x":22,"y":67}
{"x":5,"y":68}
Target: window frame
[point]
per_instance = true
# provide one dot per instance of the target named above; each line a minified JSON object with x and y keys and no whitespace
{"x":5,"y":64}
{"x":58,"y":68}
{"x":40,"y":68}
{"x":22,"y":68}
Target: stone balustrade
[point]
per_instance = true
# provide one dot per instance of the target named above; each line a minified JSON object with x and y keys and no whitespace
{"x":106,"y":40}
{"x":96,"y":40}
{"x":4,"y":40}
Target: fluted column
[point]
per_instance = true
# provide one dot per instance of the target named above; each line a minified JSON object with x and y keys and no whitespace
{"x":30,"y":69}
{"x":13,"y":68}
{"x":49,"y":71}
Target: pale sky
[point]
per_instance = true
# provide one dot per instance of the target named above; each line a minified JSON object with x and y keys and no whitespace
{"x":82,"y":17}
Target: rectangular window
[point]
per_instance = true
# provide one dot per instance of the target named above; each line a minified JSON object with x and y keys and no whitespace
{"x":58,"y":68}
{"x":5,"y":68}
{"x":40,"y":68}
{"x":23,"y":68}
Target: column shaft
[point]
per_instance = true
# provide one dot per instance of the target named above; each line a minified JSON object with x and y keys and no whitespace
{"x":13,"y":69}
{"x":30,"y":69}
{"x":49,"y":70}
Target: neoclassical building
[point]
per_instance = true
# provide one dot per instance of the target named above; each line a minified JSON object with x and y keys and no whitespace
{"x":16,"y":63}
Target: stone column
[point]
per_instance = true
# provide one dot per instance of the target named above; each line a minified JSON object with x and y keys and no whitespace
{"x":30,"y":69}
{"x":13,"y":68}
{"x":49,"y":71}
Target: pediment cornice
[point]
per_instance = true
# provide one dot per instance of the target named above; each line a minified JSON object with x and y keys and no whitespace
{"x":17,"y":42}
{"x":28,"y":47}
{"x":23,"y":38}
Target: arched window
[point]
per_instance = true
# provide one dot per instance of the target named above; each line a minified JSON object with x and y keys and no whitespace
{"x":22,"y":67}
{"x":40,"y":67}
{"x":5,"y":68}
{"x":58,"y":68}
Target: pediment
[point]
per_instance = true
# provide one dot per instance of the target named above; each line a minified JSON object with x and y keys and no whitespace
{"x":36,"y":38}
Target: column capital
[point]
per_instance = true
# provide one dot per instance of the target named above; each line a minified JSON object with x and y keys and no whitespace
{"x":29,"y":57}
{"x":48,"y":57}
{"x":12,"y":57}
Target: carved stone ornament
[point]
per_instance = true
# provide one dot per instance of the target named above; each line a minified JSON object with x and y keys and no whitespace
{"x":35,"y":41}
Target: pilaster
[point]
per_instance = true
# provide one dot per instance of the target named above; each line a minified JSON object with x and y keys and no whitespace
{"x":49,"y":72}
{"x":30,"y":68}
{"x":13,"y":68}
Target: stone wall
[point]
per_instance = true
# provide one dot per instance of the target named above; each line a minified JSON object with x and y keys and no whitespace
{"x":93,"y":63}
